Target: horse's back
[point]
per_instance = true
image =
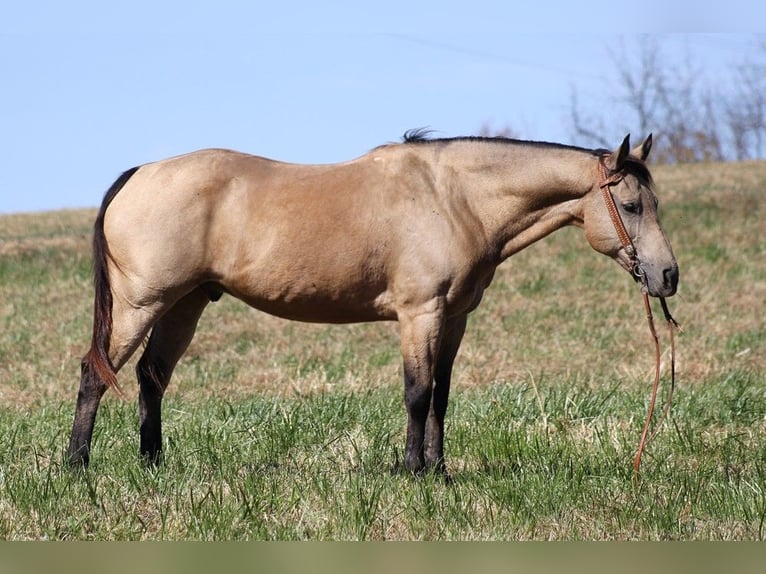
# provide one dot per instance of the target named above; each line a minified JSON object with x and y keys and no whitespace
{"x":293,"y":240}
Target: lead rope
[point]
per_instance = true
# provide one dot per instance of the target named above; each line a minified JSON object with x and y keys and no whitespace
{"x":627,"y":244}
{"x":672,"y":326}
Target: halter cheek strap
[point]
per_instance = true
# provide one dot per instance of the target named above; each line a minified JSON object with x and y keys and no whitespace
{"x":605,"y":182}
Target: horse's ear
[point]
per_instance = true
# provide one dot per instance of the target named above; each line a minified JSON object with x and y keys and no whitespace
{"x":642,"y":151}
{"x":616,"y":159}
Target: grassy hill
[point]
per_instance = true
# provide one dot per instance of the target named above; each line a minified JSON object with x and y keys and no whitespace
{"x":287,"y":430}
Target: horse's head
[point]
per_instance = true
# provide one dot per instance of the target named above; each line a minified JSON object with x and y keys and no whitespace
{"x":640,"y":246}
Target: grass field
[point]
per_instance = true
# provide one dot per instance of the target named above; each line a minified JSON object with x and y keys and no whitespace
{"x":278,"y":430}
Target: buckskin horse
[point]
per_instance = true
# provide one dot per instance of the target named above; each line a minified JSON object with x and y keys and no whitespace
{"x":410,"y":232}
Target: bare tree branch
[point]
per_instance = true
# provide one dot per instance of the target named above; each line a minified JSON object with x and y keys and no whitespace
{"x":582,"y":132}
{"x":692,"y":121}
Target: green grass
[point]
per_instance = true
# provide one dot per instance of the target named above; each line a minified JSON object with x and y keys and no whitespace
{"x":550,"y":462}
{"x":279,"y":430}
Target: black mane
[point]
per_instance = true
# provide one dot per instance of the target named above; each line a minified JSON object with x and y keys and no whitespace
{"x":417,"y":135}
{"x":422,"y":136}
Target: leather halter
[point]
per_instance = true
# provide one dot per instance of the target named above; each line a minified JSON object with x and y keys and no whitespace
{"x":605,"y":182}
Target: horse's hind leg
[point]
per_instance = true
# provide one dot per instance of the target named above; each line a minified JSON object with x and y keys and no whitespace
{"x":92,"y":388}
{"x":129,"y":327}
{"x":169,"y":339}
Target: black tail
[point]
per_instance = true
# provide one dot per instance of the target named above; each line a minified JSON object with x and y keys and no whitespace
{"x":97,"y":357}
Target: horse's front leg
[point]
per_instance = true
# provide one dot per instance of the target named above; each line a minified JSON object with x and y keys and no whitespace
{"x":434,"y":438}
{"x":420,"y":332}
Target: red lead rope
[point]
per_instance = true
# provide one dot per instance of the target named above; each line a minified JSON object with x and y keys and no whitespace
{"x":627,"y":244}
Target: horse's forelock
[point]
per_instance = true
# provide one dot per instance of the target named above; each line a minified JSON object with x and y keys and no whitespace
{"x":638,"y":168}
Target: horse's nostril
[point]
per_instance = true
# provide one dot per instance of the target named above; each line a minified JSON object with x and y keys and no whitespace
{"x":670,"y":275}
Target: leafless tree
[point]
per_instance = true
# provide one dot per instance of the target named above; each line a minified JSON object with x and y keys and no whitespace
{"x":638,"y":93}
{"x":692,"y":121}
{"x":588,"y":130}
{"x":488,"y":131}
{"x":746,"y":110}
{"x":644,"y":86}
{"x":689,"y":127}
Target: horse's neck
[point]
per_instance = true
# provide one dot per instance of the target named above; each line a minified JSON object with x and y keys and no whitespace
{"x":523,"y":193}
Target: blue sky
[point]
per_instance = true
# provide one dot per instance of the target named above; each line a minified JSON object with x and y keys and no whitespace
{"x":90,"y":89}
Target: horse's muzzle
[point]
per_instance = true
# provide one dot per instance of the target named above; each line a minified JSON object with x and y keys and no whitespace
{"x":663,"y":284}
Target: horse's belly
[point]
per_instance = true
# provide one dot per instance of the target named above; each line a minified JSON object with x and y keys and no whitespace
{"x":317,"y":303}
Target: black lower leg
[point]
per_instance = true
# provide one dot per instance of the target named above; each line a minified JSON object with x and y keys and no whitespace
{"x":88,"y":399}
{"x":434,"y":437}
{"x":151,"y":379}
{"x":418,"y":401}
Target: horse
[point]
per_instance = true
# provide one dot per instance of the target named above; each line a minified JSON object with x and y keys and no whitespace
{"x":409,"y":232}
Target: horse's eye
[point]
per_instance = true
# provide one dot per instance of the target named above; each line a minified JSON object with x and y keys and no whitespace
{"x":632,"y":207}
